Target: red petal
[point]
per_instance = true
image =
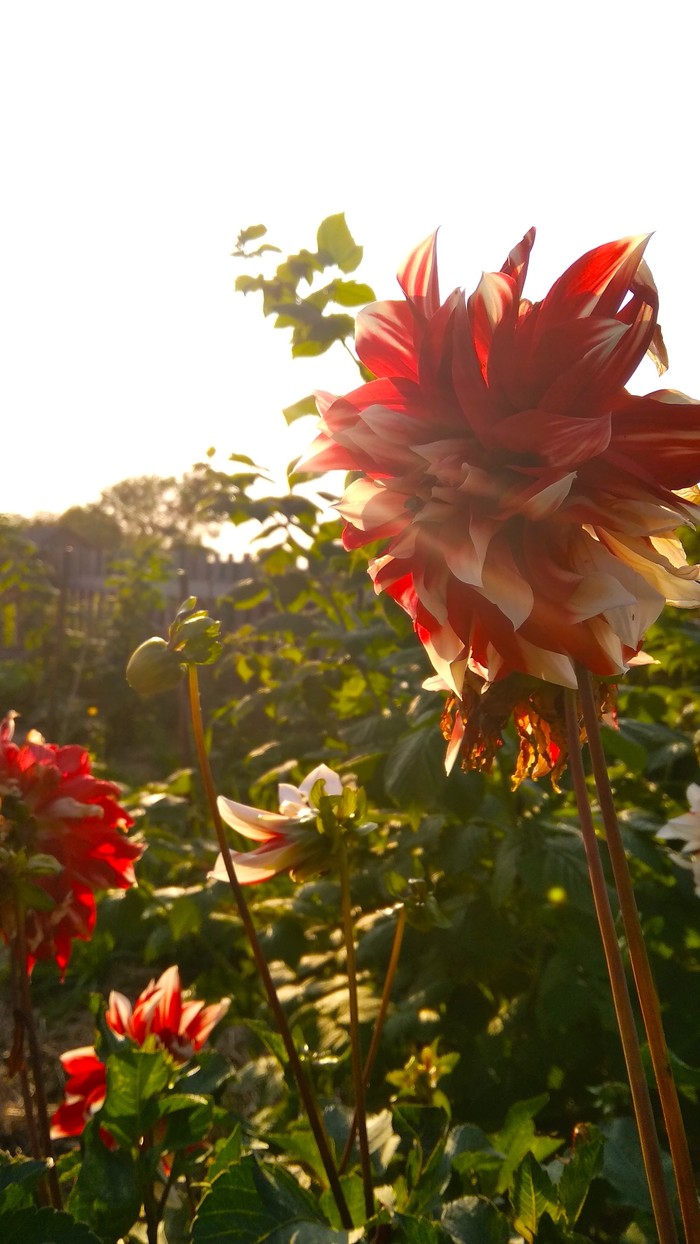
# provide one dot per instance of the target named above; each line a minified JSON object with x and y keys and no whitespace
{"x":418,"y":278}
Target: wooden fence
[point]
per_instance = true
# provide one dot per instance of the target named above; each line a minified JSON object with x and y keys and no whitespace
{"x":84,"y":582}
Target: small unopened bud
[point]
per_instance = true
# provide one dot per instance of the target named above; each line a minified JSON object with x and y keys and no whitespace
{"x":153,"y":668}
{"x":196,"y":639}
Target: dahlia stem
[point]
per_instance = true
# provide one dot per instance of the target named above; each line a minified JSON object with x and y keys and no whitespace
{"x":651,"y":1153}
{"x":357,"y":1069}
{"x":378,"y":1026}
{"x":15,"y":1059}
{"x":303,"y":1085}
{"x":641,"y":969}
{"x":43,"y":1126}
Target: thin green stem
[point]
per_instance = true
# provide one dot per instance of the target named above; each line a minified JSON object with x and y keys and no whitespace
{"x":357,"y":1069}
{"x":43,"y":1126}
{"x":378,"y":1026}
{"x":641,"y":968}
{"x":651,"y":1153}
{"x":303,"y":1085}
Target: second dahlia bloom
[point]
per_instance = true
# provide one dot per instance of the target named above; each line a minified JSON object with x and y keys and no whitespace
{"x":289,"y":839}
{"x":525,"y":499}
{"x":178,"y":1025}
{"x":54,"y":806}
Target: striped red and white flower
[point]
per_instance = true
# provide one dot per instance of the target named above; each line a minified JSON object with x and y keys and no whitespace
{"x":289,"y":839}
{"x":526,"y":500}
{"x":178,"y":1024}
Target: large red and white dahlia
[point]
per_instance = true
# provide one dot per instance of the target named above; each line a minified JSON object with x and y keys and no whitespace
{"x":53,"y":806}
{"x":178,"y":1024}
{"x":526,"y":498}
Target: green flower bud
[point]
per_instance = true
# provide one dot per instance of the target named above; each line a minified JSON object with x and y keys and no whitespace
{"x":153,"y":668}
{"x":196,"y":639}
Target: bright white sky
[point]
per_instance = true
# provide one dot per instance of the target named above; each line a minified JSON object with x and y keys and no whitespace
{"x":138,"y":137}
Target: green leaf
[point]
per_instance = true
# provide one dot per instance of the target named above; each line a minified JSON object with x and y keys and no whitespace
{"x":335,"y":240}
{"x":18,"y":1170}
{"x":206,"y":1076}
{"x":532,"y":1195}
{"x":410,"y":1230}
{"x":623,"y":1167}
{"x":473,"y":1220}
{"x":255,"y":1204}
{"x":188,"y":1120}
{"x":245,"y":284}
{"x":45,"y":1226}
{"x":619,"y":746}
{"x":352,"y":293}
{"x":585,"y":1163}
{"x":251,"y":234}
{"x":269,"y":1037}
{"x":18,"y":1179}
{"x":305,"y":406}
{"x":135,"y":1078}
{"x":227,"y":1153}
{"x":415,"y":767}
{"x":516,"y":1137}
{"x":107,"y":1193}
{"x":184,"y":917}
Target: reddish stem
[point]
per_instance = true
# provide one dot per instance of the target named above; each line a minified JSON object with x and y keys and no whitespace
{"x":641,"y":968}
{"x":651,"y":1152}
{"x":303,"y":1085}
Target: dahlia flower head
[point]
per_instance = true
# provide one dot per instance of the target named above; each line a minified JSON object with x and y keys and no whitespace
{"x":180,"y":1026}
{"x":525,"y":499}
{"x":289,"y":839}
{"x":53,"y":806}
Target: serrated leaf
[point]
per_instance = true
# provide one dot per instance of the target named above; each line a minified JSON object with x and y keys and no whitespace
{"x":255,"y":1204}
{"x":577,"y":1174}
{"x":135,"y":1078}
{"x":516,"y":1136}
{"x":532,"y":1195}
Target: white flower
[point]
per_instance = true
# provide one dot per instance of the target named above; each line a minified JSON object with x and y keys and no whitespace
{"x":287,"y":840}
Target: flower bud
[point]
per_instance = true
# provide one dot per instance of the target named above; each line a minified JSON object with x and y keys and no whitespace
{"x":196,"y":639}
{"x":153,"y":668}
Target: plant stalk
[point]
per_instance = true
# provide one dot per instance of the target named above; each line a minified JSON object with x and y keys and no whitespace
{"x":378,"y":1026}
{"x":651,"y":1153}
{"x":303,"y":1085}
{"x":641,"y":969}
{"x":43,"y":1126}
{"x":357,"y":1068}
